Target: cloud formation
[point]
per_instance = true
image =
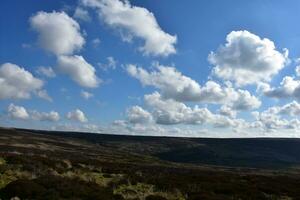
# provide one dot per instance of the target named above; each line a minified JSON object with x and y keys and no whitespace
{"x":138,"y":115}
{"x":270,"y":121}
{"x":247,"y":59}
{"x":43,"y":94}
{"x":82,"y":14}
{"x":169,"y":111}
{"x":43,"y":116}
{"x":290,"y":109}
{"x":297,"y":70}
{"x":174,"y":85}
{"x":57,"y":32}
{"x":19,"y":112}
{"x":79,"y":70}
{"x":289,"y":88}
{"x":86,"y":95}
{"x":227,"y":111}
{"x":137,"y":22}
{"x":77,"y":115}
{"x":46,"y":71}
{"x":17,"y":83}
{"x":111,"y":64}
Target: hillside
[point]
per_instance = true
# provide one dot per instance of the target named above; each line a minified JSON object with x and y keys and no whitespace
{"x":69,"y":165}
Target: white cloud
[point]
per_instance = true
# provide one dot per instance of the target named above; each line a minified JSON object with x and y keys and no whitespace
{"x":43,"y":116}
{"x":137,"y":22}
{"x":79,"y":127}
{"x":79,"y":70}
{"x":297,"y":70}
{"x":43,"y":94}
{"x":16,"y":82}
{"x":82,"y":14}
{"x":46,"y":71}
{"x":269,"y":120}
{"x":122,"y":123}
{"x":289,"y":88}
{"x":290,"y":109}
{"x":111,"y":64}
{"x":96,"y":42}
{"x":57,"y":32}
{"x":77,"y":115}
{"x":86,"y":95}
{"x":168,"y":111}
{"x":174,"y":85}
{"x":227,"y":111}
{"x":247,"y":59}
{"x":124,"y":127}
{"x":138,"y":115}
{"x":17,"y":112}
{"x":244,"y":101}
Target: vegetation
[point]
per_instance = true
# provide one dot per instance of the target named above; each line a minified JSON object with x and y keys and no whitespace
{"x":50,"y":166}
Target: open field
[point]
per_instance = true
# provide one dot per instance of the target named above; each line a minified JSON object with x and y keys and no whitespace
{"x":63,"y":165}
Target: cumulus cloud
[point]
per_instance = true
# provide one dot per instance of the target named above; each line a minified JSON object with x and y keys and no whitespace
{"x":247,"y":59}
{"x":269,"y":120}
{"x":297,"y":70}
{"x":57,"y":32}
{"x":43,"y":116}
{"x":86,"y":95}
{"x":17,"y":83}
{"x":174,"y":85}
{"x":82,"y":14}
{"x":43,"y":94}
{"x":289,"y":88}
{"x":138,"y":115}
{"x":244,"y":101}
{"x":272,"y":119}
{"x":227,"y":111}
{"x":79,"y":70}
{"x":137,"y":22}
{"x":169,"y":111}
{"x":162,"y":111}
{"x":77,"y":115}
{"x":46,"y":71}
{"x":291,"y":109}
{"x":17,"y":112}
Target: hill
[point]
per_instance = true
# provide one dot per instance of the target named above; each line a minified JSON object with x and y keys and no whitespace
{"x":69,"y":165}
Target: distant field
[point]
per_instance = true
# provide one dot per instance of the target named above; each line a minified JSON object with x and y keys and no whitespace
{"x":65,"y":165}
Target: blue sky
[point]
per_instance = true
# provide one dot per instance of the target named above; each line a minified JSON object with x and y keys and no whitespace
{"x":151,"y":68}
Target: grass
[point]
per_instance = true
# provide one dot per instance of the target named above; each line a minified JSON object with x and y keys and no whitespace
{"x":10,"y":173}
{"x":2,"y":161}
{"x":78,"y":169}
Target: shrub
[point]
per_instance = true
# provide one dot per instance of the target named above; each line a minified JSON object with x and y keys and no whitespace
{"x":155,"y":197}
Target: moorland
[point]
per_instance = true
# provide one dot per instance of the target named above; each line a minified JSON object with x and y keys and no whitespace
{"x":51,"y":165}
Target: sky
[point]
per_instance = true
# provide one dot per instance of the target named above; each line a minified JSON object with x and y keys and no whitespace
{"x":169,"y":68}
